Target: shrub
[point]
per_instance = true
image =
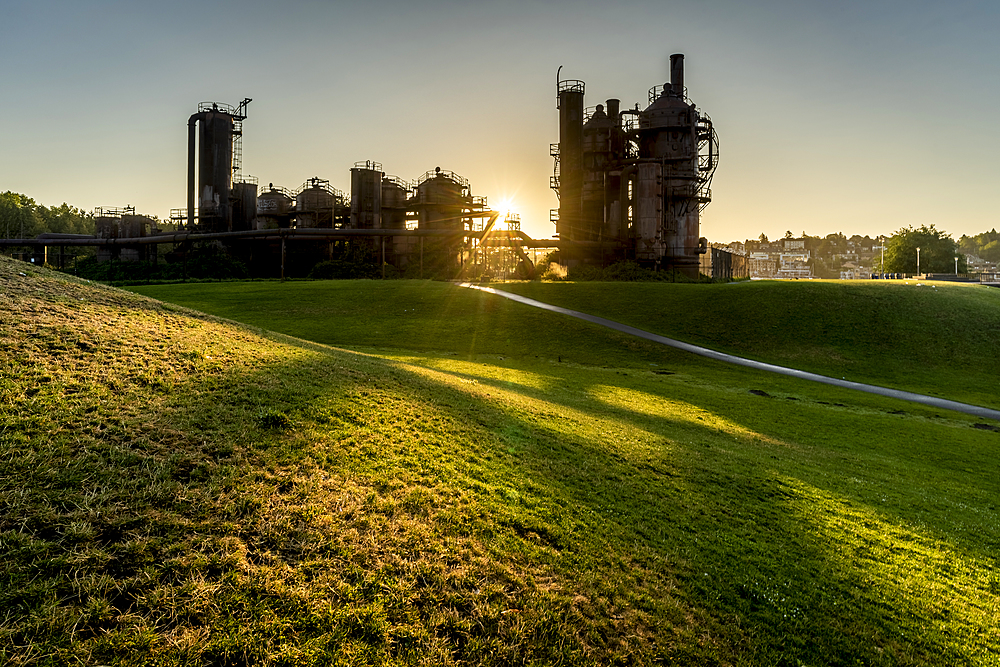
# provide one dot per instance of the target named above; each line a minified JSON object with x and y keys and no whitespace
{"x":347,"y":269}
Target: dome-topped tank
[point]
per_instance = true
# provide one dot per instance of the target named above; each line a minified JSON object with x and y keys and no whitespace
{"x":314,"y":198}
{"x":667,"y":127}
{"x":314,"y":204}
{"x":597,"y":131}
{"x":597,"y":158}
{"x":441,"y":198}
{"x":274,"y":207}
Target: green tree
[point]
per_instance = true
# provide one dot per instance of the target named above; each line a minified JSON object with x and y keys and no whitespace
{"x":18,"y":216}
{"x":990,"y":251}
{"x":985,"y":245}
{"x":22,"y":218}
{"x":65,"y":219}
{"x":937,"y":252}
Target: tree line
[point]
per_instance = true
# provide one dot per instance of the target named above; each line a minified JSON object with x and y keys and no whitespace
{"x":21,"y":217}
{"x":985,"y":245}
{"x":933,"y":251}
{"x":922,"y":250}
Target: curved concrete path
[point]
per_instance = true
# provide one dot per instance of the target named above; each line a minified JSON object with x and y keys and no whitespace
{"x":944,"y":404}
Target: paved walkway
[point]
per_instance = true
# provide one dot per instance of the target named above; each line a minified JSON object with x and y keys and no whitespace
{"x":944,"y":404}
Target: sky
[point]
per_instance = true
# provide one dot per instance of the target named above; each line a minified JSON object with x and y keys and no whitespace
{"x":861,"y":117}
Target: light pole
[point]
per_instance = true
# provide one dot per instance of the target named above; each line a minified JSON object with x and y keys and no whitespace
{"x":882,"y":266}
{"x":918,"y":260}
{"x":956,"y":265}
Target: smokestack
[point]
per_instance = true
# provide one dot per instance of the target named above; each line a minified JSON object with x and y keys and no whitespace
{"x":614,"y":107}
{"x":192,"y":124}
{"x":677,"y":73}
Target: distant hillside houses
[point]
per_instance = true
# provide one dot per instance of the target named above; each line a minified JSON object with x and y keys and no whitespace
{"x":833,"y":256}
{"x":979,"y":265}
{"x":804,"y":257}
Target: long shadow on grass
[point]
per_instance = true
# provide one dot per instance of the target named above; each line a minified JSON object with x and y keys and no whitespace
{"x":733,"y":531}
{"x":697,"y":503}
{"x":869,"y":443}
{"x":652,"y":519}
{"x":737,"y":526}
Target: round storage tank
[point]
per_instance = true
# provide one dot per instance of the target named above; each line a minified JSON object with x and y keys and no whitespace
{"x":244,"y":205}
{"x":366,"y":195}
{"x":273,"y":208}
{"x":314,"y":204}
{"x":394,"y":193}
{"x":442,"y":198}
{"x":667,"y":130}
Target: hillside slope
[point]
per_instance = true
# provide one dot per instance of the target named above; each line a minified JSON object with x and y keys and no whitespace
{"x":933,"y":338}
{"x":177,"y":489}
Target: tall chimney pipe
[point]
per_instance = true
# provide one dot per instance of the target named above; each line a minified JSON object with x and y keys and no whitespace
{"x":614,"y":108}
{"x":192,"y":121}
{"x":677,"y":73}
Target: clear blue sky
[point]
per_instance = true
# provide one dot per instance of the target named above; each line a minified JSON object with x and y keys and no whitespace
{"x":861,"y":117}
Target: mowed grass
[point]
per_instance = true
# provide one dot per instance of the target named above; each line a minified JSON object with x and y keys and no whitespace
{"x":934,"y":338}
{"x":177,"y":489}
{"x":406,"y":314}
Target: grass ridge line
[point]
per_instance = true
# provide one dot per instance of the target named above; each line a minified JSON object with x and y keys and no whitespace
{"x":932,"y":401}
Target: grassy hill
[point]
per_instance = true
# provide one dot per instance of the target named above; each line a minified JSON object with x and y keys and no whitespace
{"x":180,"y":489}
{"x":933,"y":338}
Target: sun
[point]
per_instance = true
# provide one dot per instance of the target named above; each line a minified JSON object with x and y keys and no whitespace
{"x":506,"y":207}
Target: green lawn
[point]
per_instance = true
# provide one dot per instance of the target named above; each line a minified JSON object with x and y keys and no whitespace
{"x":933,"y":338}
{"x":437,"y":476}
{"x":938,"y":339}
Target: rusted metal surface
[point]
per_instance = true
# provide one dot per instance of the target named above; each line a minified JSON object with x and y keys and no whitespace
{"x":636,"y":178}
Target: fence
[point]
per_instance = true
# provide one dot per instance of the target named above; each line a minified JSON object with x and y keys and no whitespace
{"x":721,"y":264}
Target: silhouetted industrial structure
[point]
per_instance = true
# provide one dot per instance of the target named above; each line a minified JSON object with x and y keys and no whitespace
{"x":632,"y":183}
{"x":215,"y":143}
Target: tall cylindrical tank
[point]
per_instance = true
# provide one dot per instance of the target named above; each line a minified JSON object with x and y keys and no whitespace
{"x":366,"y":195}
{"x":244,"y":205}
{"x":570,"y":176}
{"x":394,"y":194}
{"x":215,"y":168}
{"x":274,"y":208}
{"x":597,"y":159}
{"x":647,"y":212}
{"x":211,"y":143}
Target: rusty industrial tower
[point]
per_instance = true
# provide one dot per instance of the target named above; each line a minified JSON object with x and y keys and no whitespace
{"x":214,"y":147}
{"x":632,"y":183}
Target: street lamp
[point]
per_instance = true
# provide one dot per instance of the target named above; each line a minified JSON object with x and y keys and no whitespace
{"x":918,"y":260}
{"x":956,"y":265}
{"x":882,"y":245}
